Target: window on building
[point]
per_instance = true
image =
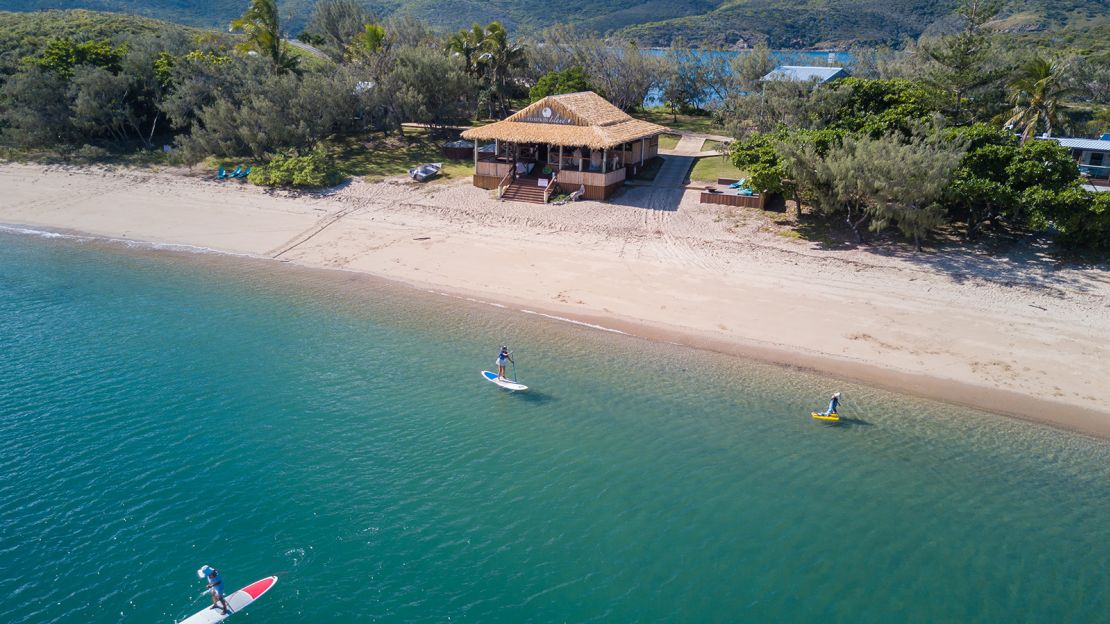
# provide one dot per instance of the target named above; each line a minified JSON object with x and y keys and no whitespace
{"x":1096,"y":159}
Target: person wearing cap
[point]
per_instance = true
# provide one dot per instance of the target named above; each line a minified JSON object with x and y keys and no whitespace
{"x":834,"y":403}
{"x":502,"y":357}
{"x":215,"y":587}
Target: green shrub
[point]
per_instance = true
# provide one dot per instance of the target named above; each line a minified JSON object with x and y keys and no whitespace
{"x":570,"y":80}
{"x":313,"y":170}
{"x":91,"y":153}
{"x":1081,"y":218}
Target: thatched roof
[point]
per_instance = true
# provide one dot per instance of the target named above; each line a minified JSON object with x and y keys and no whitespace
{"x":570,"y":120}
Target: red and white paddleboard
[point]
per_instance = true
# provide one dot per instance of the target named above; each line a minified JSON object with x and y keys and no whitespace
{"x":236,"y":601}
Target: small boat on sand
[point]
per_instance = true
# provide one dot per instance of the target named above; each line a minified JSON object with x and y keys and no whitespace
{"x":423,"y":173}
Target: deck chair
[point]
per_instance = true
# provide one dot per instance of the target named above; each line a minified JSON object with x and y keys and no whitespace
{"x":222,"y":174}
{"x":577,"y":194}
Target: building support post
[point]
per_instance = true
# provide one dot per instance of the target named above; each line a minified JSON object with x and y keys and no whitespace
{"x":643,"y":148}
{"x":560,"y":157}
{"x":475,"y":153}
{"x":604,"y":160}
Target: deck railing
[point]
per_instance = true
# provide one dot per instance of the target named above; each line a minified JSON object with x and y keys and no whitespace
{"x":1095,"y":174}
{"x":550,"y":186}
{"x":506,"y":182}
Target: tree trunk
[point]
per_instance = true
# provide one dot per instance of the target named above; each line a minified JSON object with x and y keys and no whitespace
{"x":855,"y":225}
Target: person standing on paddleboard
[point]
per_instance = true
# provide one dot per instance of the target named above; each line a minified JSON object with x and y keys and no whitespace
{"x":215,"y":587}
{"x":504,"y":356}
{"x":834,"y":403}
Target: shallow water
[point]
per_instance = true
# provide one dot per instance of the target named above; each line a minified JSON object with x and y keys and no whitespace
{"x":159,"y":411}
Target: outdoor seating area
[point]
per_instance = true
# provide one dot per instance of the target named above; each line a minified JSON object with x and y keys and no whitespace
{"x":729,"y":192}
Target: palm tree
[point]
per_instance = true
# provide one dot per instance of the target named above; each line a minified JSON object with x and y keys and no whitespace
{"x":1038,"y":89}
{"x":263,"y":29}
{"x":467,"y":43}
{"x":499,"y":59}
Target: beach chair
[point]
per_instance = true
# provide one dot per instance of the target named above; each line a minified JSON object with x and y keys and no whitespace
{"x":577,"y":194}
{"x":245,"y":173}
{"x":222,"y":174}
{"x":238,"y":170}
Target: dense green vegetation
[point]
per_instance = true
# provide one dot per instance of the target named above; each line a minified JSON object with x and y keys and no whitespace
{"x":936,"y":136}
{"x":942,"y":135}
{"x":722,"y":23}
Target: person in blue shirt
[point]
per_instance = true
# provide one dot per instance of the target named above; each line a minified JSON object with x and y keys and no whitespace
{"x":216,"y":588}
{"x":834,"y":403}
{"x":504,"y":356}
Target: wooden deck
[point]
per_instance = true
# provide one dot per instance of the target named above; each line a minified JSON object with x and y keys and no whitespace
{"x":725,"y":196}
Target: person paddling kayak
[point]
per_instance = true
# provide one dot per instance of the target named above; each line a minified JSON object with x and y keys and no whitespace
{"x":834,"y":403}
{"x":504,"y":356}
{"x":215,"y":587}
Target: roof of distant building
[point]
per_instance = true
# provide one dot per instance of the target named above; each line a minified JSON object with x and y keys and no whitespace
{"x":801,"y":73}
{"x":1098,"y":145}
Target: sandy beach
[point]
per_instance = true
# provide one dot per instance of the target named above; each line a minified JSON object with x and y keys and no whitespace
{"x":1018,"y":335}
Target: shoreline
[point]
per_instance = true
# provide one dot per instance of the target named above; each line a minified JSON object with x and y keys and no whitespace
{"x":1027,"y":408}
{"x":680,"y":293}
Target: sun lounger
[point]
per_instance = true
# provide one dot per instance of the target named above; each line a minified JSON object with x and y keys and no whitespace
{"x":238,"y":170}
{"x":222,"y":174}
{"x":245,"y":173}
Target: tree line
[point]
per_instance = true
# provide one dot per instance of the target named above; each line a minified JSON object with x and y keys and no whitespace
{"x":942,"y":132}
{"x":251,"y":93}
{"x":936,"y":132}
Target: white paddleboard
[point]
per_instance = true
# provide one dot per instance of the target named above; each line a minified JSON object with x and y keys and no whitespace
{"x":236,"y":601}
{"x":504,"y":383}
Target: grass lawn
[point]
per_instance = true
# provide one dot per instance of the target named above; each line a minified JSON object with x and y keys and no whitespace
{"x":713,"y":146}
{"x":381,"y":156}
{"x":689,"y":123}
{"x":668,"y":141}
{"x":710,"y":168}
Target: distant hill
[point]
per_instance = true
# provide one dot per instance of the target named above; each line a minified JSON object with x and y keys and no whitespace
{"x":721,"y":23}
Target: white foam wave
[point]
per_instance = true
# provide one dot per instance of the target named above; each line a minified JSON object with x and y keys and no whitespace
{"x":582,"y":323}
{"x":126,"y":242}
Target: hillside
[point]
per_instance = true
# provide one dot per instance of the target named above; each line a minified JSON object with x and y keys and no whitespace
{"x":720,"y":23}
{"x":799,"y":24}
{"x":22,"y":34}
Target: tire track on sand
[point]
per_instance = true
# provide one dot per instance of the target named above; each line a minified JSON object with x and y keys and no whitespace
{"x":356,"y":204}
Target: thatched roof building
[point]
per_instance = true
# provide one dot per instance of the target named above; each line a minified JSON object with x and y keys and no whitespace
{"x":574,"y":142}
{"x":571,"y":120}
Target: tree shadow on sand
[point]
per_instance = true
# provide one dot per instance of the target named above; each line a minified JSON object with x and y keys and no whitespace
{"x":1029,"y":261}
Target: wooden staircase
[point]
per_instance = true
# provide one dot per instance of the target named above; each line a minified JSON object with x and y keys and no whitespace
{"x":524,"y":190}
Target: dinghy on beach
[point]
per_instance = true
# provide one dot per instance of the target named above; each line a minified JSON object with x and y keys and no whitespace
{"x":426,"y":172}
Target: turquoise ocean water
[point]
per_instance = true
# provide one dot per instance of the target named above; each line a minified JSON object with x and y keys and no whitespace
{"x":162,"y":410}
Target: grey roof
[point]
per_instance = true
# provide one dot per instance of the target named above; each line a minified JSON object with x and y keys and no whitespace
{"x":1097,"y":145}
{"x":801,"y":73}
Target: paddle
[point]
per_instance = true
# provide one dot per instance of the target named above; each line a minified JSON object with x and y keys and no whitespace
{"x":513,"y":362}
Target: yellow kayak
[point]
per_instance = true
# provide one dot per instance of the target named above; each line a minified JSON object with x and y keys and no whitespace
{"x":829,"y":417}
